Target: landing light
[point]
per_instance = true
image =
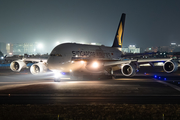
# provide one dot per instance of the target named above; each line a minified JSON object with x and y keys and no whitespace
{"x":95,"y":65}
{"x":57,"y":74}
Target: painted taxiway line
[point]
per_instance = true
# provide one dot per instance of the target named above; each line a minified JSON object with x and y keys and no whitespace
{"x":171,"y":85}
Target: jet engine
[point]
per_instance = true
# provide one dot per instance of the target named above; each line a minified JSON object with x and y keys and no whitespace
{"x":170,"y":66}
{"x":16,"y":66}
{"x":38,"y":68}
{"x":128,"y":69}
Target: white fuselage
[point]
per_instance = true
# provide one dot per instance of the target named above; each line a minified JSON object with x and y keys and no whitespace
{"x":70,"y":57}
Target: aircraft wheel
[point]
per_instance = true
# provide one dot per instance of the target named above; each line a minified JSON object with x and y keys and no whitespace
{"x":113,"y":77}
{"x":57,"y":80}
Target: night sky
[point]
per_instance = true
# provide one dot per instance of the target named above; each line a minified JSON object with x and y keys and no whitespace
{"x":148,"y":22}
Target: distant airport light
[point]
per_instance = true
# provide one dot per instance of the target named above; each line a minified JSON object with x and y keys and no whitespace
{"x":2,"y":57}
{"x":40,"y":46}
{"x":95,"y":65}
{"x":93,"y":43}
{"x":173,"y":43}
{"x":82,"y":42}
{"x":82,"y":61}
{"x":72,"y":61}
{"x":164,"y":78}
{"x":159,"y":77}
{"x":70,"y":70}
{"x":132,"y":46}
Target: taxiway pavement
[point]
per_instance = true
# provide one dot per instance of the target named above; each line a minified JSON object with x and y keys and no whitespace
{"x":24,"y":88}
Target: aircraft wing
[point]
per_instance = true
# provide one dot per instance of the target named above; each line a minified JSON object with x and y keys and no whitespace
{"x":35,"y":60}
{"x":107,"y":63}
{"x":137,"y":61}
{"x":129,"y":67}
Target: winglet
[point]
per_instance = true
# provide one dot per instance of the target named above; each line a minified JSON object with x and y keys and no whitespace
{"x":118,"y":40}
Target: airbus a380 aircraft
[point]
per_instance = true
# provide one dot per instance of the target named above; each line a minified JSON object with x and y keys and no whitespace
{"x":80,"y":59}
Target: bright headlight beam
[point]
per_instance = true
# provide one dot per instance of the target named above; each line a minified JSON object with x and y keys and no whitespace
{"x":57,"y":74}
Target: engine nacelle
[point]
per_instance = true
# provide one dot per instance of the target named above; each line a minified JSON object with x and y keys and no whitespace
{"x":16,"y":66}
{"x":170,"y":66}
{"x":38,"y":68}
{"x":128,"y":69}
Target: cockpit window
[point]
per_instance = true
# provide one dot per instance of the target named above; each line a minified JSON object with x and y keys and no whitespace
{"x":59,"y":55}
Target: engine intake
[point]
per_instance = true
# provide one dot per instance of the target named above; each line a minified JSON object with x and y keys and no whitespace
{"x":170,"y":66}
{"x":38,"y":68}
{"x":16,"y":66}
{"x":128,"y":69}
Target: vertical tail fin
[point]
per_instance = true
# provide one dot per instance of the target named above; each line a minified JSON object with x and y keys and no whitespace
{"x":118,"y":40}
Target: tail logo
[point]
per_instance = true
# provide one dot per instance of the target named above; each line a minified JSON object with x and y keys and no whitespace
{"x":119,"y":34}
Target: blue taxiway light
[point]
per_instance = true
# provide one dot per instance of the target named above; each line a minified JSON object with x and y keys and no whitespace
{"x":155,"y":76}
{"x":164,"y":78}
{"x":159,"y":77}
{"x":63,"y":73}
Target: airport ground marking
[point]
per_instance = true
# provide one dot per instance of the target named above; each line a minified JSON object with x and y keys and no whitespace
{"x":171,"y":85}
